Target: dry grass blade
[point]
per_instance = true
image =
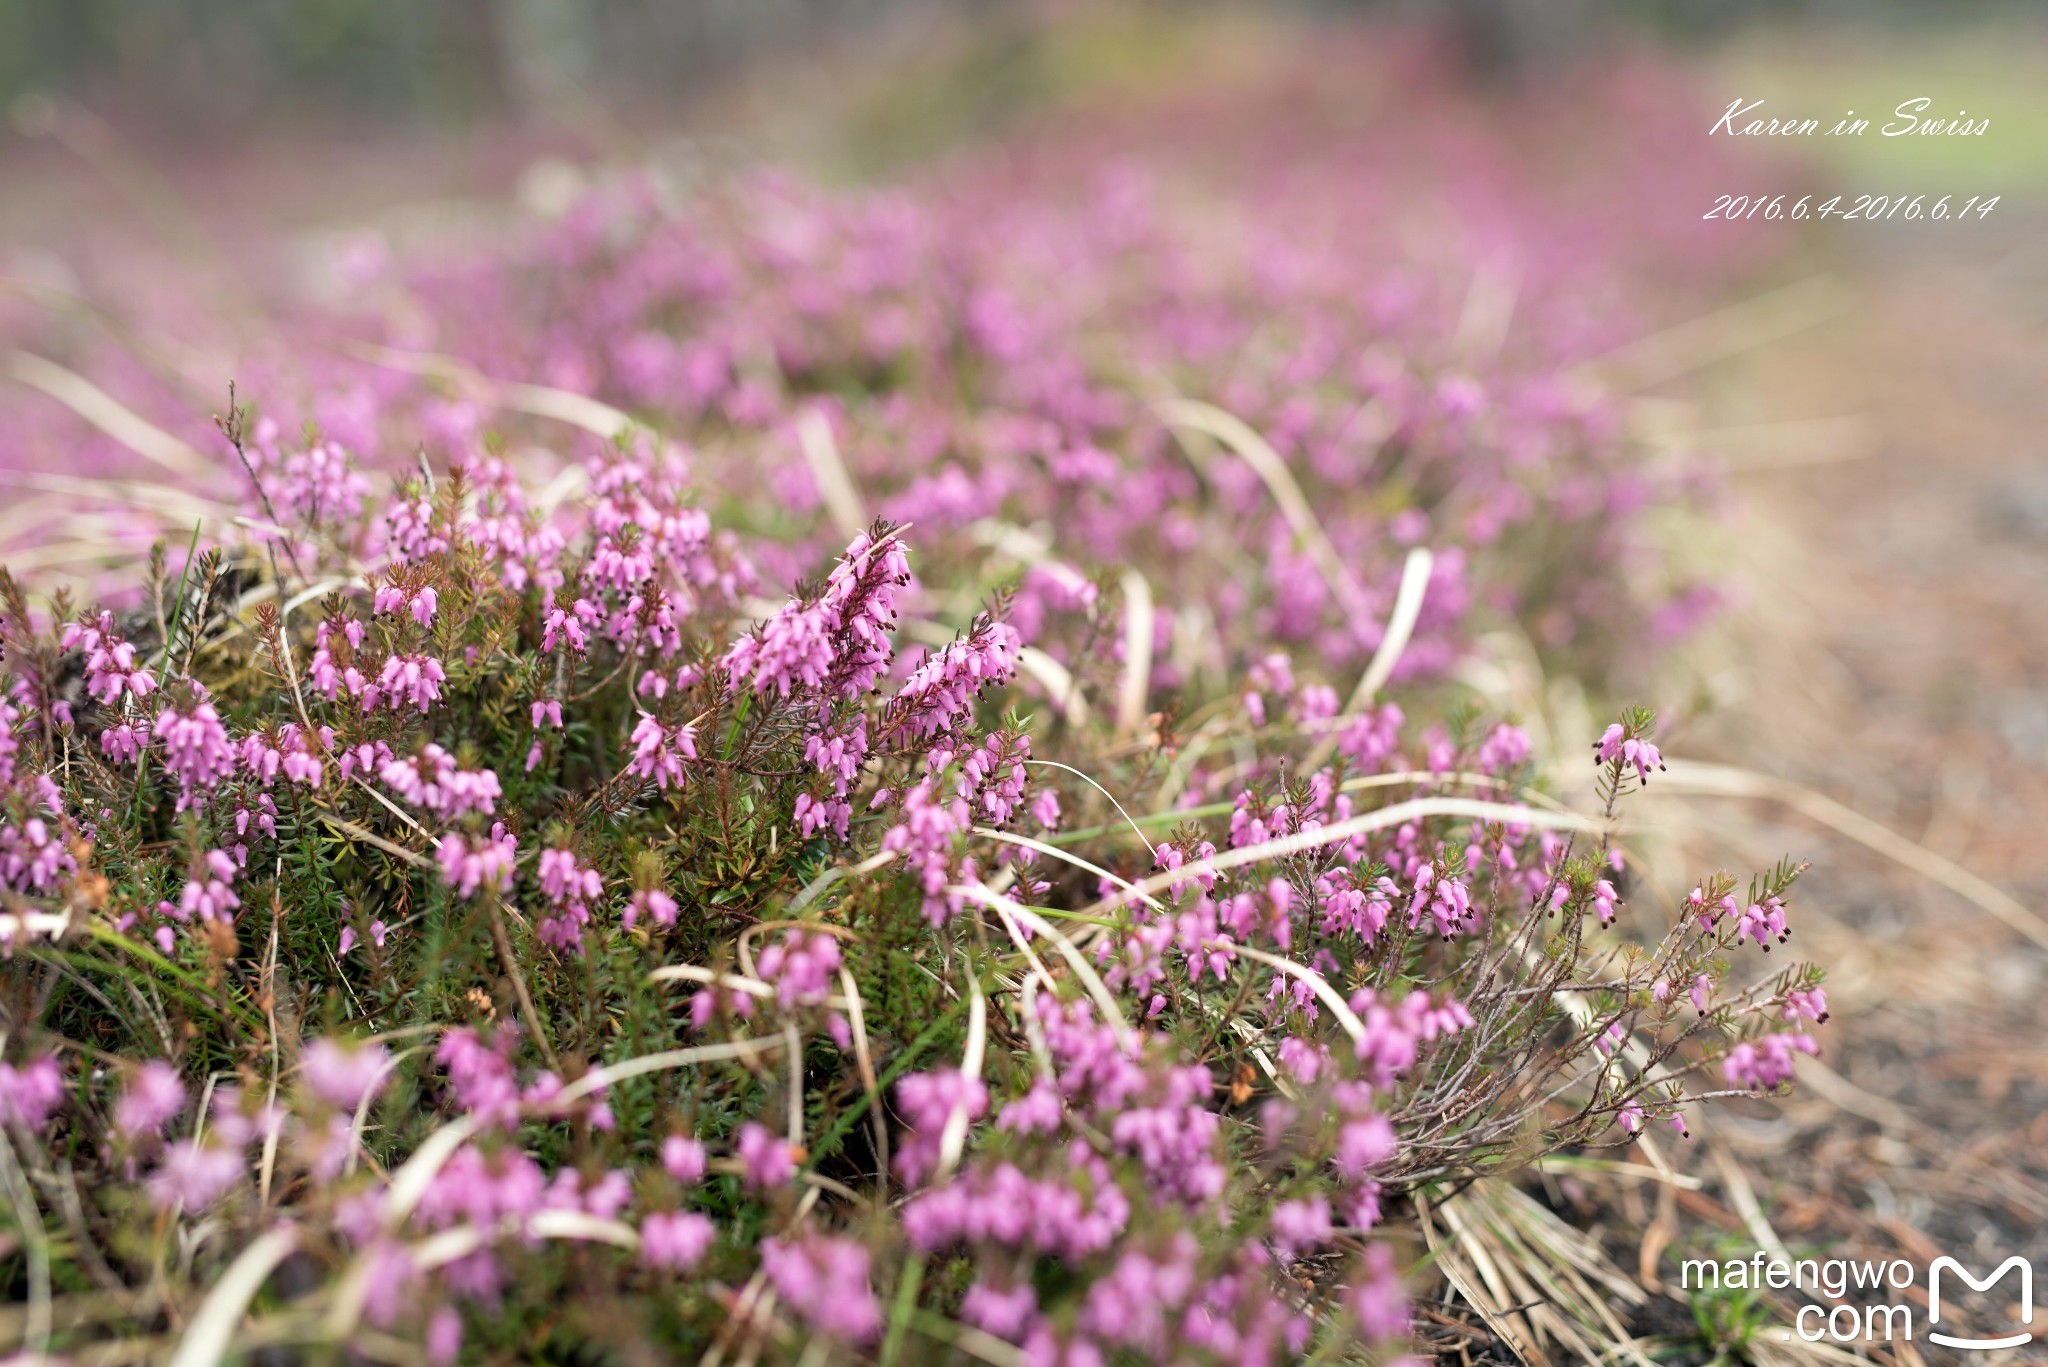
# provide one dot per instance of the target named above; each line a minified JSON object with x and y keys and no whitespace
{"x":1057,"y":682}
{"x":1137,"y":680}
{"x":1065,"y":856}
{"x":1015,"y":916}
{"x":1321,"y":837}
{"x":1720,"y":780}
{"x":1332,"y":998}
{"x":1265,"y":462}
{"x":411,"y":1180}
{"x":213,"y":1328}
{"x":829,"y":473}
{"x":172,"y":500}
{"x":864,"y":1057}
{"x":1559,"y":1277}
{"x":954,"y":1137}
{"x":582,"y":1226}
{"x":542,"y":401}
{"x":599,"y":1078}
{"x":1400,"y":627}
{"x":1128,"y":820}
{"x":37,"y":1321}
{"x":107,"y":413}
{"x":1676,"y":351}
{"x":1586,"y":1280}
{"x":1743,"y":1197}
{"x":1509,"y":1273}
{"x":1474,"y":1278}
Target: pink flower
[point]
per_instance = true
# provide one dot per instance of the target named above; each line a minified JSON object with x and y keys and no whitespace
{"x":1605,"y":900}
{"x":207,"y":894}
{"x":1447,"y":899}
{"x":683,"y":1157}
{"x":1298,"y":1226}
{"x":479,"y":1074}
{"x":343,"y":1076}
{"x":1004,"y":1313}
{"x":1505,"y":749}
{"x":659,"y":752}
{"x":1760,"y":921}
{"x":708,"y":1002}
{"x":838,"y":643}
{"x":825,"y":1281}
{"x":153,"y":1096}
{"x":1377,"y":1298}
{"x":30,"y":1095}
{"x":1767,"y":1061}
{"x":800,"y":967}
{"x":652,"y":903}
{"x":992,"y":776}
{"x":928,"y":1102}
{"x":924,"y":837}
{"x":1369,"y":739}
{"x":121,"y":743}
{"x":1811,"y":1004}
{"x":408,"y":680}
{"x":110,"y":668}
{"x":194,"y":1175}
{"x":814,"y":814}
{"x":939,"y":693}
{"x":195,"y":749}
{"x":765,"y":1156}
{"x":1362,"y":1145}
{"x":569,"y":625}
{"x":1615,"y":744}
{"x":347,"y":939}
{"x":675,"y":1242}
{"x":470,"y":863}
{"x":420,"y":603}
{"x":444,"y":1336}
{"x":571,"y":888}
{"x":32,"y":856}
{"x":431,"y":780}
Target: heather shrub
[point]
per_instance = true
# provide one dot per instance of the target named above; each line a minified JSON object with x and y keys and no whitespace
{"x":939,"y":829}
{"x":458,"y":921}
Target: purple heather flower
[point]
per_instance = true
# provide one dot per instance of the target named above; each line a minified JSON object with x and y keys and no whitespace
{"x":30,"y":1094}
{"x":195,"y":747}
{"x":675,"y":1242}
{"x":343,"y":1076}
{"x":825,"y":1281}
{"x":153,"y":1096}
{"x":683,"y":1157}
{"x":765,"y":1155}
{"x":194,"y":1175}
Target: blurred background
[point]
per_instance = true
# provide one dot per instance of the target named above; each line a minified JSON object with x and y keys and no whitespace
{"x":1875,"y":396}
{"x":188,"y":67}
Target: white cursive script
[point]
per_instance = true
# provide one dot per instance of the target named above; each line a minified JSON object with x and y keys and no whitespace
{"x":1742,"y":120}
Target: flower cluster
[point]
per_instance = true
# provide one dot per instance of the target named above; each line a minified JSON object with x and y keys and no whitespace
{"x":476,"y":895}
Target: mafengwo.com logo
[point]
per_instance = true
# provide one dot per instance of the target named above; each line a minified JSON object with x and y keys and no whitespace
{"x":1869,"y":1320}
